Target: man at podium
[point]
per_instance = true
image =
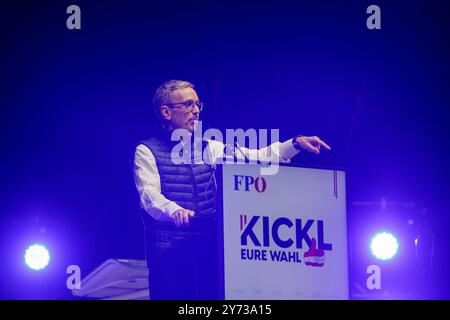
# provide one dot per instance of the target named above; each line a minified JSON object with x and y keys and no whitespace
{"x":178,"y":201}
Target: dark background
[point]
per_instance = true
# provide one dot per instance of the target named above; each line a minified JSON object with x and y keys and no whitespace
{"x":74,"y":103}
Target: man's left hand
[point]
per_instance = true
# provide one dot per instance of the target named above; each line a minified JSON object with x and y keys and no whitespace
{"x":312,"y":144}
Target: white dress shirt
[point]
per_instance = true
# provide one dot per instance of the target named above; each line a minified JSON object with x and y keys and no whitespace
{"x":148,"y":181}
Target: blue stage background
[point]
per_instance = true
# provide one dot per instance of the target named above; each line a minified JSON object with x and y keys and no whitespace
{"x":75,"y":103}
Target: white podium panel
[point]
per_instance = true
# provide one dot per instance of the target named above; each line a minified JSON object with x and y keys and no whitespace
{"x":285,"y":235}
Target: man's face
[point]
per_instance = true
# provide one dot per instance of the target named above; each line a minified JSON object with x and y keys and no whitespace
{"x":177,"y":115}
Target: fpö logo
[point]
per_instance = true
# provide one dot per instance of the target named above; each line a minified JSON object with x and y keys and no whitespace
{"x":262,"y":240}
{"x":248,"y":183}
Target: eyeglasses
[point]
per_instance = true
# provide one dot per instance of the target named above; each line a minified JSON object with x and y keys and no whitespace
{"x":188,"y":105}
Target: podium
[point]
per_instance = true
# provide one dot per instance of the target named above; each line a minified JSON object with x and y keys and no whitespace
{"x":284,"y":235}
{"x":281,"y":236}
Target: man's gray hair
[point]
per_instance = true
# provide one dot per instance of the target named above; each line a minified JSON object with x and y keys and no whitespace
{"x":163,"y":94}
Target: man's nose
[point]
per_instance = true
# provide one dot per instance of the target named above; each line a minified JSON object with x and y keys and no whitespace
{"x":195,"y":110}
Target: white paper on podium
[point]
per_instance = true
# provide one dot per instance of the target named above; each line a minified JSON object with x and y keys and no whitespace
{"x":279,"y":206}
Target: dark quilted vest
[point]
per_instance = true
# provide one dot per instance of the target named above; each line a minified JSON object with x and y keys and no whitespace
{"x":190,"y":185}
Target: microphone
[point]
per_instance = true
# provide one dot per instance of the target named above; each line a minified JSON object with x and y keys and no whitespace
{"x":228,"y":150}
{"x":238,"y":147}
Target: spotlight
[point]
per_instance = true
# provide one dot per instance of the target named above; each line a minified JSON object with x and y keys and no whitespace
{"x":37,"y":257}
{"x":384,"y":246}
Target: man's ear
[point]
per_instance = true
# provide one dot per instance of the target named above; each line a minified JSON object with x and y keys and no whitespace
{"x":166,"y":113}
